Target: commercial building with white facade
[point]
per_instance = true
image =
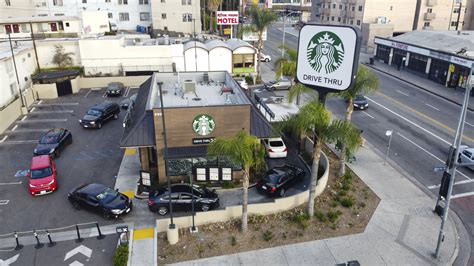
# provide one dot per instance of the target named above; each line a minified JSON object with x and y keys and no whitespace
{"x":445,"y":57}
{"x":174,"y":17}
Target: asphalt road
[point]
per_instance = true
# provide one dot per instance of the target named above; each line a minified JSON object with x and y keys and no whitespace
{"x":94,"y":156}
{"x":423,"y":128}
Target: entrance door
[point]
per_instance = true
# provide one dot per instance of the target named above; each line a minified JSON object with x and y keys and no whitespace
{"x":64,"y":87}
{"x":16,"y":28}
{"x":54,"y":26}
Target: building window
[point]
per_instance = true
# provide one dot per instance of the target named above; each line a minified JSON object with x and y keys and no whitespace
{"x":124,"y":17}
{"x":59,"y":14}
{"x":324,"y":5}
{"x":107,"y":1}
{"x":456,"y":10}
{"x":13,"y":88}
{"x":360,"y":8}
{"x":67,"y":24}
{"x":187,"y":17}
{"x":353,"y":8}
{"x":57,"y":2}
{"x":183,"y":2}
{"x":352,"y":22}
{"x":391,"y":7}
{"x":111,"y":15}
{"x":332,"y":18}
{"x":430,"y":10}
{"x":327,"y":18}
{"x":163,"y":1}
{"x":358,"y":22}
{"x":143,"y":2}
{"x":427,"y":24}
{"x":334,"y":6}
{"x":144,"y":16}
{"x":84,"y":1}
{"x":339,"y":19}
{"x":454,"y":23}
{"x":190,"y":2}
{"x":163,"y":16}
{"x":8,"y":3}
{"x":340,"y":6}
{"x":24,"y":28}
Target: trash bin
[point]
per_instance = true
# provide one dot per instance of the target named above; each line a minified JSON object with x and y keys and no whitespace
{"x":371,"y":60}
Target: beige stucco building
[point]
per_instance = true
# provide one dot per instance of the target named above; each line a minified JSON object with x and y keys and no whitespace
{"x":176,"y":16}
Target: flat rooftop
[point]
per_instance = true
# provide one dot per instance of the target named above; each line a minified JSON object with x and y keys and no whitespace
{"x":194,"y":89}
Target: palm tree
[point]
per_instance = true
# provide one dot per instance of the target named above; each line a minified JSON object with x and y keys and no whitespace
{"x":366,"y":82}
{"x":261,"y":19}
{"x":212,"y":5}
{"x":314,"y":120}
{"x":245,"y":150}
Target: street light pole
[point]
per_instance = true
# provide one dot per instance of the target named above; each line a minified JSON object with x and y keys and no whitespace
{"x":389,"y":134}
{"x":456,"y":144}
{"x":16,"y":73}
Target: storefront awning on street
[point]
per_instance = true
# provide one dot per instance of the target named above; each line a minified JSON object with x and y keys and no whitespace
{"x":189,"y":151}
{"x":259,"y":126}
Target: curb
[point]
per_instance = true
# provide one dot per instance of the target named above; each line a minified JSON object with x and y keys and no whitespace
{"x":418,"y":86}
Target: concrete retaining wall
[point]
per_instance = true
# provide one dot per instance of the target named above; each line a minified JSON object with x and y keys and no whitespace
{"x":101,"y":82}
{"x":235,"y":212}
{"x":46,"y":91}
{"x":10,"y":114}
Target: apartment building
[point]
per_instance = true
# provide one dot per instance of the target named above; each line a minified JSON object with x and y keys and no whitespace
{"x":126,"y":14}
{"x":173,"y":17}
{"x":405,"y":15}
{"x":301,"y":7}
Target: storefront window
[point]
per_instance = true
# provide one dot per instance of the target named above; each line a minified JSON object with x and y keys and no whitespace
{"x":417,"y":62}
{"x":383,"y":53}
{"x":398,"y":56}
{"x":184,"y":166}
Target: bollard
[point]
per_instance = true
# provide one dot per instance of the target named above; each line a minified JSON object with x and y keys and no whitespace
{"x":79,"y":239}
{"x":100,"y":236}
{"x":18,"y":246}
{"x":51,"y":243}
{"x":38,"y":243}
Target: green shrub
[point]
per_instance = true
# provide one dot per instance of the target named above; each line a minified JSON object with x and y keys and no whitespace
{"x":249,"y":80}
{"x":347,"y":202}
{"x":233,"y":241}
{"x":333,"y":216}
{"x":257,"y":219}
{"x":321,"y":217}
{"x":267,"y":235}
{"x":200,"y":249}
{"x":121,"y":255}
{"x":334,"y":204}
{"x":227,"y":185}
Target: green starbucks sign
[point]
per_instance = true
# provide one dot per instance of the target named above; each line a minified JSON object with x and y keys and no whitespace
{"x":203,"y":124}
{"x":325,"y":52}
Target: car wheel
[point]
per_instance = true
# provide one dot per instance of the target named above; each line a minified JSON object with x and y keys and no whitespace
{"x":459,"y":160}
{"x":162,"y":211}
{"x":267,"y":60}
{"x":76,"y":205}
{"x":282,"y":192}
{"x":272,"y":88}
{"x":106,"y":215}
{"x":115,"y":116}
{"x":205,"y":207}
{"x":99,"y":125}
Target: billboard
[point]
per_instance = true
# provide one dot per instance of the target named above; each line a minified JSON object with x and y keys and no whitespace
{"x":253,"y":36}
{"x":328,"y":56}
{"x":227,"y":17}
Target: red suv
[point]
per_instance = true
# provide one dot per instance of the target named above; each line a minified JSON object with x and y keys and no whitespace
{"x":42,"y":175}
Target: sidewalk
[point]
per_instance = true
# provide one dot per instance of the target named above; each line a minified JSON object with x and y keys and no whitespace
{"x":402,"y":231}
{"x":450,"y":94}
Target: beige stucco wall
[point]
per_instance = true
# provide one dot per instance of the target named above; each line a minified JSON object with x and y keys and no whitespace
{"x":369,"y":31}
{"x":401,"y":13}
{"x":10,"y":114}
{"x":46,"y":91}
{"x":443,"y":14}
{"x":234,"y":212}
{"x":75,"y":85}
{"x":101,"y":82}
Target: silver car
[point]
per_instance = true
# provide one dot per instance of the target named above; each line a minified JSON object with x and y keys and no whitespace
{"x":466,"y":156}
{"x":282,"y":84}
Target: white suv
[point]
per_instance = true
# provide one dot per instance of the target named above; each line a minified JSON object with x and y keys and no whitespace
{"x":466,"y":156}
{"x":275,"y":148}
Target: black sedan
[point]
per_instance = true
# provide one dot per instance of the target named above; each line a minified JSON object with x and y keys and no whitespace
{"x":182,"y":198}
{"x":114,"y":89}
{"x":53,"y":142}
{"x":277,"y":180}
{"x":360,"y":102}
{"x":100,"y":199}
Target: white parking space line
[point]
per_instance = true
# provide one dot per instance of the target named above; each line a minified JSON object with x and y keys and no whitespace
{"x":4,"y":138}
{"x":27,"y":130}
{"x":127,"y":91}
{"x":14,"y":142}
{"x":401,"y":92}
{"x":429,"y":153}
{"x":40,"y":101}
{"x":368,"y":114}
{"x":105,"y":94}
{"x":41,"y":121}
{"x":12,"y":183}
{"x":471,"y":125}
{"x":409,"y":121}
{"x":462,"y":195}
{"x":455,"y":183}
{"x":33,"y":109}
{"x":85,"y":96}
{"x":4,"y":202}
{"x":57,"y":104}
{"x":55,"y":112}
{"x":14,"y":128}
{"x":432,"y":106}
{"x":23,"y":119}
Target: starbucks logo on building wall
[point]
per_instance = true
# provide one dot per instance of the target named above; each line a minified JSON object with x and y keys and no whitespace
{"x":325,"y":52}
{"x":203,"y":124}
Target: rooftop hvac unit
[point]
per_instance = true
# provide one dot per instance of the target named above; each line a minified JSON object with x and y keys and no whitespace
{"x":381,"y":20}
{"x":189,"y":86}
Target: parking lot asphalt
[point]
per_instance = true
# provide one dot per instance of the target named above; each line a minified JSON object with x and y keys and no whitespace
{"x":94,"y":156}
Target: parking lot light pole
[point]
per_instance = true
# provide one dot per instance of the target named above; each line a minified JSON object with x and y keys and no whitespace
{"x":456,"y":144}
{"x":16,"y":73}
{"x":389,"y":134}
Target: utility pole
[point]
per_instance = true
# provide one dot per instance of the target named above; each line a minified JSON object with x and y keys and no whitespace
{"x":453,"y":166}
{"x":16,"y":73}
{"x":195,"y":48}
{"x":34,"y":46}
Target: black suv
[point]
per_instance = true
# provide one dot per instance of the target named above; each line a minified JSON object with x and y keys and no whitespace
{"x":100,"y":113}
{"x":114,"y":89}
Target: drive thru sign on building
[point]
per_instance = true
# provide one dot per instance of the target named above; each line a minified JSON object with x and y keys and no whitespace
{"x":328,"y":56}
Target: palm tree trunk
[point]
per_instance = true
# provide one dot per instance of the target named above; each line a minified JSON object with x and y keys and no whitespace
{"x":298,"y":99}
{"x":259,"y":50}
{"x":342,"y":160}
{"x":314,"y":177}
{"x":211,"y":26}
{"x":245,"y":199}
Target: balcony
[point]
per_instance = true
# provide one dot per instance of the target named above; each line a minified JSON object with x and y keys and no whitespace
{"x":431,"y":2}
{"x":430,"y":16}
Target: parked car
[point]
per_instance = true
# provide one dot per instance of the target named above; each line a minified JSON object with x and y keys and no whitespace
{"x":264,"y":58}
{"x":277,"y":180}
{"x":360,"y":102}
{"x":130,"y":101}
{"x":114,"y":89}
{"x":53,"y":141}
{"x":282,"y":84}
{"x":113,"y":27}
{"x":181,"y":198}
{"x":466,"y":155}
{"x":100,"y":113}
{"x":275,"y":148}
{"x":42,"y":175}
{"x":100,"y":199}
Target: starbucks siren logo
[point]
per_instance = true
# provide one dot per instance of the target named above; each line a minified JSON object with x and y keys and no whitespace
{"x":203,"y":124}
{"x":325,"y":52}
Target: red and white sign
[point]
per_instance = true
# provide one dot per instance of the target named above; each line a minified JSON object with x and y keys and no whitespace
{"x":227,"y":17}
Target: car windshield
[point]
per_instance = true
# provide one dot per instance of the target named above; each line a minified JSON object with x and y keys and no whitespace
{"x":360,"y":98}
{"x":94,"y":112}
{"x":272,"y":176}
{"x":107,"y":195}
{"x":50,"y":138}
{"x":40,"y":173}
{"x":276,"y":143}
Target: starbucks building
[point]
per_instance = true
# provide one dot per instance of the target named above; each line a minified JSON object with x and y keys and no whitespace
{"x":196,"y":108}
